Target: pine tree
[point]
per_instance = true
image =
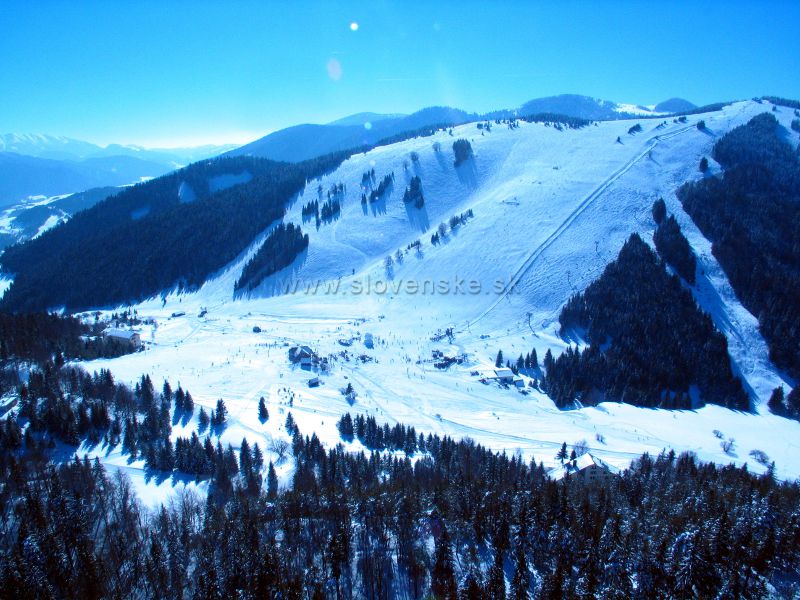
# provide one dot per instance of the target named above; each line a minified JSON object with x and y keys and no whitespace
{"x":562,"y":454}
{"x":659,"y":211}
{"x":291,"y":427}
{"x":793,"y":402}
{"x":203,"y":419}
{"x":496,"y":584}
{"x":245,"y":458}
{"x":443,"y":579}
{"x":221,"y":413}
{"x":272,"y":482}
{"x":180,"y":398}
{"x":521,"y":581}
{"x":776,"y":400}
{"x":345,"y":427}
{"x":263,"y":414}
{"x":548,"y":360}
{"x":258,"y":459}
{"x":499,"y":360}
{"x":166,"y":391}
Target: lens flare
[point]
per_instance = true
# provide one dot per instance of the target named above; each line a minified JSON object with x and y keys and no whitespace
{"x":334,"y":69}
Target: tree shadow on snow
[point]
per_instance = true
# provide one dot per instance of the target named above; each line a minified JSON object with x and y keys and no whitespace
{"x":418,"y":217}
{"x":468,"y":173}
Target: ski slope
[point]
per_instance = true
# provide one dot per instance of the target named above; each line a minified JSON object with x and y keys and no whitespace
{"x":551,"y":209}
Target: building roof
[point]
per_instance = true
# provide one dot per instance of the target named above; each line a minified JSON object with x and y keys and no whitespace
{"x":503,"y":373}
{"x":123,"y":334}
{"x":584,"y":461}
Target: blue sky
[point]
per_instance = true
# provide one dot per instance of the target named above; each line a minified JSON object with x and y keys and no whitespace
{"x":172,"y":73}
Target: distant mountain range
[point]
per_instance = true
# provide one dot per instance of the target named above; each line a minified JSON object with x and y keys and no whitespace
{"x":64,"y":148}
{"x":22,"y":176}
{"x":302,"y":142}
{"x":37,"y":164}
{"x":47,"y":165}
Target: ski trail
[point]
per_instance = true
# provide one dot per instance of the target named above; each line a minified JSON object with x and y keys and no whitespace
{"x":585,"y":203}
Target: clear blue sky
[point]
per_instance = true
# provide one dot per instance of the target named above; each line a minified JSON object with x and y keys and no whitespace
{"x":169,"y":73}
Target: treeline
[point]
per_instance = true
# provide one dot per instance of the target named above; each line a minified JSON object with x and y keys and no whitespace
{"x":278,"y":251}
{"x":39,"y":337}
{"x":145,"y":240}
{"x":458,"y":522}
{"x":672,"y":245}
{"x":782,"y":101}
{"x":557,"y":119}
{"x":752,"y":217}
{"x":649,"y":342}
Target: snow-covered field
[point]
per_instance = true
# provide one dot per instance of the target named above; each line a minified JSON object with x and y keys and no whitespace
{"x":551,"y":209}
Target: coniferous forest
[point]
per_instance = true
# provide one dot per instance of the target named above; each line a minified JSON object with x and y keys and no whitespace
{"x":752,"y":216}
{"x":674,"y":248}
{"x":279,"y":250}
{"x":404,"y":515}
{"x":649,"y":342}
{"x":147,"y":239}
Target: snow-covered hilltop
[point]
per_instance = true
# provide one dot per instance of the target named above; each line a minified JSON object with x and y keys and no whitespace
{"x":550,"y":207}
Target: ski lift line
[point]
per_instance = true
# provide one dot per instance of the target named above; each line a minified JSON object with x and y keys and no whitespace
{"x":587,"y":201}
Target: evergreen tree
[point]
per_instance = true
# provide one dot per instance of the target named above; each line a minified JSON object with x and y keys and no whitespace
{"x":263,"y":413}
{"x":203,"y":419}
{"x":188,"y":404}
{"x":443,"y":579}
{"x":548,"y":360}
{"x":562,"y":453}
{"x":520,"y":584}
{"x":499,"y":360}
{"x":776,"y":401}
{"x":496,"y":581}
{"x":659,"y":211}
{"x":291,"y":427}
{"x":272,"y":482}
{"x":220,"y":415}
{"x":793,"y":402}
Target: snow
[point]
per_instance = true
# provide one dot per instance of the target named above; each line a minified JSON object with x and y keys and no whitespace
{"x":551,"y":209}
{"x":223,"y":182}
{"x":51,"y":222}
{"x":5,"y":283}
{"x":635,"y":109}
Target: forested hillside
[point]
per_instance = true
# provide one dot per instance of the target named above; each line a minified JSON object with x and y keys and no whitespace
{"x":649,"y":342}
{"x":458,"y":522}
{"x":751,"y":214}
{"x":172,"y":231}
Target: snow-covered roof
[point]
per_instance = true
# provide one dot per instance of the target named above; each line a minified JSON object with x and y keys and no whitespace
{"x":502,"y":373}
{"x":122,"y":334}
{"x":584,"y":461}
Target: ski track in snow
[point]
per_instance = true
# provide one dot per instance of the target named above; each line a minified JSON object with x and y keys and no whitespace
{"x":521,"y":186}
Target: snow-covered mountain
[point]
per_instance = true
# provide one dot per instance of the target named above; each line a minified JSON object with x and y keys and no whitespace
{"x":551,"y":207}
{"x":586,"y":107}
{"x":64,"y":148}
{"x":301,"y":142}
{"x":33,"y":216}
